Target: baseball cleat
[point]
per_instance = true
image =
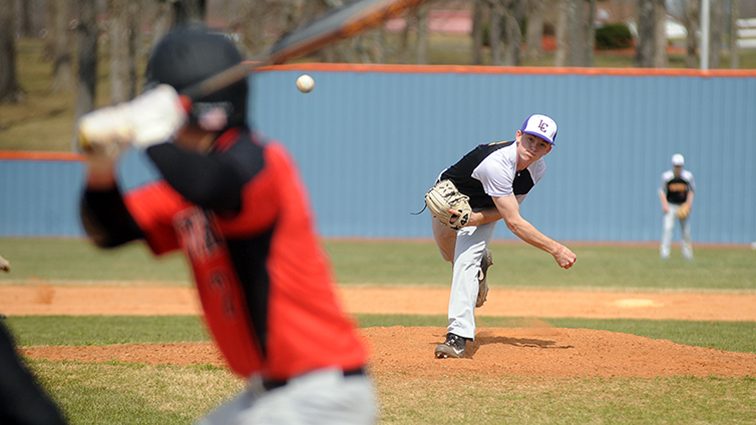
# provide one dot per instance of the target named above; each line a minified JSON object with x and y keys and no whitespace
{"x":485,"y":263}
{"x":453,"y":347}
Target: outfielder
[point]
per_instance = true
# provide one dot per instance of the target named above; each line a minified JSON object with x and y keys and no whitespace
{"x":676,"y":194}
{"x":235,"y":205}
{"x":486,"y":185}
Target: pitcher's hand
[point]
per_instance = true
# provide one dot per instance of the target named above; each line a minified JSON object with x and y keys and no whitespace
{"x":565,"y":257}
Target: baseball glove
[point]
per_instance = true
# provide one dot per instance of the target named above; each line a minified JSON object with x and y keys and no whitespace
{"x":444,"y":196}
{"x":4,"y":265}
{"x":683,"y":211}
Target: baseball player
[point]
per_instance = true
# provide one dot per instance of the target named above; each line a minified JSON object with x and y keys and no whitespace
{"x":676,"y":194}
{"x":4,"y":264}
{"x":234,"y":203}
{"x":496,"y":177}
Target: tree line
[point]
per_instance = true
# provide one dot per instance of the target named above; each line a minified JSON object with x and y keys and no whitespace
{"x":504,"y":32}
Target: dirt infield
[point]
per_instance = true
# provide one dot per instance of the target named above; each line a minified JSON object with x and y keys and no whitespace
{"x":534,"y":349}
{"x":44,"y":299}
{"x":545,"y":352}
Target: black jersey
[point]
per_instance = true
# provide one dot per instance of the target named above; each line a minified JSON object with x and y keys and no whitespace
{"x":469,"y":177}
{"x":676,"y":188}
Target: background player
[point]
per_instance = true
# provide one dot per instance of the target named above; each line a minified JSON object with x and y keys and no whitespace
{"x":235,"y":205}
{"x":497,"y":177}
{"x":676,"y":194}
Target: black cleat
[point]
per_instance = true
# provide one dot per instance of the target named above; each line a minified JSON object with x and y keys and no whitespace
{"x":454,"y":347}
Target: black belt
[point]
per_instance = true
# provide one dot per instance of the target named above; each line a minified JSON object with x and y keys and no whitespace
{"x":272,"y":384}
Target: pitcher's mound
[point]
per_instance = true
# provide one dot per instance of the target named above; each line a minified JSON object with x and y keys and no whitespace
{"x":544,"y":351}
{"x":531,"y":351}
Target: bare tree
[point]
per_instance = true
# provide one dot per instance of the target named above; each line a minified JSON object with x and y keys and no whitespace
{"x":495,"y":18}
{"x":60,"y":41}
{"x":514,"y":18}
{"x":23,"y":9}
{"x":421,"y":25}
{"x":161,"y":18}
{"x":414,"y":42}
{"x":186,"y":11}
{"x":480,"y":11}
{"x":691,"y":21}
{"x":370,"y":46}
{"x":715,"y":33}
{"x":86,"y":42}
{"x":250,"y":19}
{"x":534,"y":33}
{"x":10,"y":90}
{"x":660,"y":27}
{"x":122,"y":34}
{"x":734,"y":54}
{"x":575,"y":33}
{"x":651,"y":50}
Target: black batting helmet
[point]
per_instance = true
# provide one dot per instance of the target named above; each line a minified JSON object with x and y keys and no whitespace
{"x":190,"y":54}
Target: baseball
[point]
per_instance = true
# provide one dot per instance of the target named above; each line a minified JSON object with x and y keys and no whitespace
{"x":305,"y":83}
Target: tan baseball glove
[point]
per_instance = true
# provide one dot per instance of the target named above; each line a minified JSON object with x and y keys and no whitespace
{"x":683,"y":211}
{"x":444,"y":196}
{"x":4,"y":264}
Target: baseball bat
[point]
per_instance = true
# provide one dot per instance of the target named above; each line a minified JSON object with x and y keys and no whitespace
{"x":339,"y":23}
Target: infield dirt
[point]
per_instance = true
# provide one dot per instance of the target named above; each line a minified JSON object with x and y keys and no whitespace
{"x":533,"y":349}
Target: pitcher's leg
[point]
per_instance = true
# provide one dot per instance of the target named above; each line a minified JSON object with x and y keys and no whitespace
{"x":470,"y":248}
{"x":445,"y":239}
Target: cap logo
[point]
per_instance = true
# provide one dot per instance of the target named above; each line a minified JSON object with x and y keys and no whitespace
{"x":543,"y":126}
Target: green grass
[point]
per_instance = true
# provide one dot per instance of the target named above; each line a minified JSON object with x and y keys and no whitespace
{"x":475,"y":400}
{"x":412,"y":262}
{"x":520,"y":265}
{"x":131,"y":394}
{"x":103,"y":330}
{"x":99,"y":393}
{"x":727,"y":336}
{"x":77,"y":259}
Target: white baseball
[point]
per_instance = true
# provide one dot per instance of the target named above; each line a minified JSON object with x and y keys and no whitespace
{"x":305,"y":83}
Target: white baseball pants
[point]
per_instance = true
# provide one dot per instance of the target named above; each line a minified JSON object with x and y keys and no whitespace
{"x":464,"y":248}
{"x":668,"y":228}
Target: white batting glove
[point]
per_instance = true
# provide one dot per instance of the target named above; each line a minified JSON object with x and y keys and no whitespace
{"x":150,"y":118}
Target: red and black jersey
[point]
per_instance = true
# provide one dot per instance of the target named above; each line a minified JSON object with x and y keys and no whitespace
{"x":242,"y":217}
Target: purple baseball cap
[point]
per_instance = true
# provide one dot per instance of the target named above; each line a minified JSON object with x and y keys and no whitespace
{"x":541,"y":126}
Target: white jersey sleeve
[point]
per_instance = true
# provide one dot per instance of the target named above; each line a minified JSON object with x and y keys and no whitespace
{"x":665,"y":178}
{"x":687,"y":175}
{"x":497,"y":172}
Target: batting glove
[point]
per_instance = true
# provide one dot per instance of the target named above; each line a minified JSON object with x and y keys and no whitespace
{"x":150,"y":118}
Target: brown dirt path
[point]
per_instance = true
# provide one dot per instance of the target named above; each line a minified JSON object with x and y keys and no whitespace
{"x":173,"y":300}
{"x":532,"y":350}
